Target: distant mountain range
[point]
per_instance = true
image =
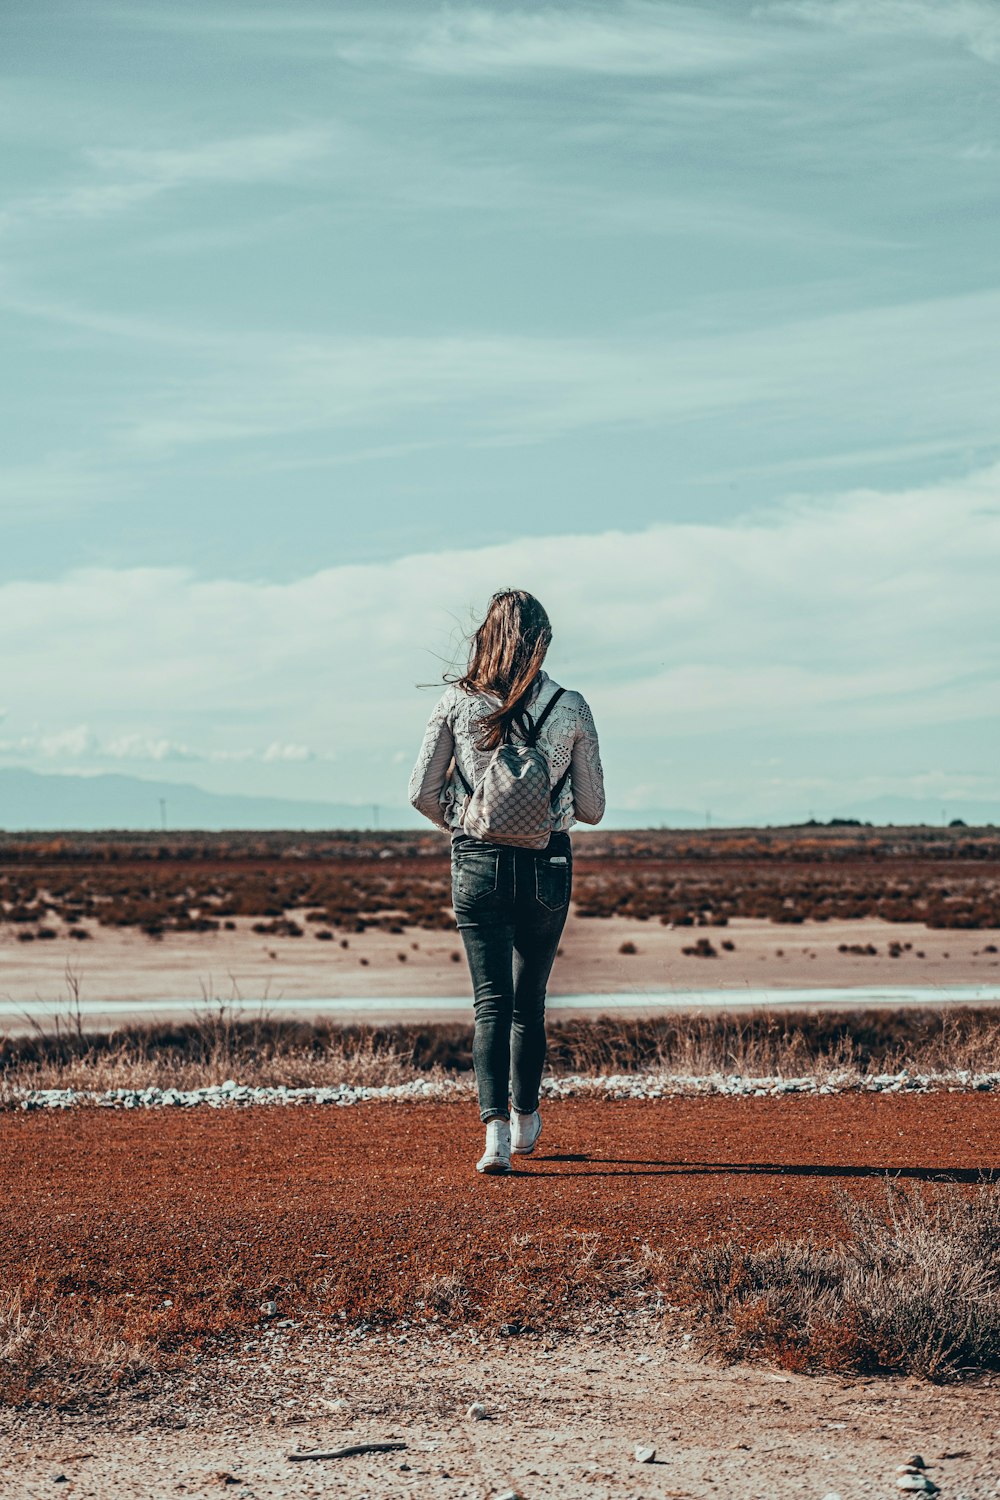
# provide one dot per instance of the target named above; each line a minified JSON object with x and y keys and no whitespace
{"x":31,"y":800}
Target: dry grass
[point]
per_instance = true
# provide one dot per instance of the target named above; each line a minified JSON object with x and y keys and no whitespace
{"x":817,"y":1045}
{"x":531,"y":1285}
{"x":229,"y":1041}
{"x":52,"y":1350}
{"x":915,"y":1290}
{"x":224,"y":1041}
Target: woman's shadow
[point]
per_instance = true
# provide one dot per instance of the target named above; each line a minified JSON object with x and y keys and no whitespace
{"x":608,"y":1166}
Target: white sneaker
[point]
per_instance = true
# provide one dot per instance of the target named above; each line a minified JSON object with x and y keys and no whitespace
{"x":496,"y":1158}
{"x":527,"y":1129}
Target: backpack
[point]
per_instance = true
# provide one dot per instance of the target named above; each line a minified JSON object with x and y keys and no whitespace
{"x":513,"y":802}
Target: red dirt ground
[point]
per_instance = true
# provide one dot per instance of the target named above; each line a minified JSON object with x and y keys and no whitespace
{"x":354,"y":1209}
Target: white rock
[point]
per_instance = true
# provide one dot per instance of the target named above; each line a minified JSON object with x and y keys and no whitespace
{"x":269,"y":1309}
{"x":916,"y":1483}
{"x":477,"y":1412}
{"x":644,"y":1453}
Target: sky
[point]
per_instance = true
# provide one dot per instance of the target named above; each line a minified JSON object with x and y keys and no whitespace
{"x":318,"y":324}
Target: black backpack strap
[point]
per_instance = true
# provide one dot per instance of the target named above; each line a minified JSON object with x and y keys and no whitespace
{"x":535,"y":731}
{"x":536,"y":727}
{"x":458,"y":773}
{"x":559,"y":785}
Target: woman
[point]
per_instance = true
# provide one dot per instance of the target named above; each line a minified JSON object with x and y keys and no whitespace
{"x":510,"y":898}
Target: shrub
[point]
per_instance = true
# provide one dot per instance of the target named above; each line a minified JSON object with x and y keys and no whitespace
{"x":912,"y":1290}
{"x":701,"y":949}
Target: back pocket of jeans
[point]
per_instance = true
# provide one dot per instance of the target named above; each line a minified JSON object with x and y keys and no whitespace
{"x":552,"y":880}
{"x":473,"y":874}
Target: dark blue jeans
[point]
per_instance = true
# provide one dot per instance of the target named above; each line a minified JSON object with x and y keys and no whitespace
{"x":511,"y":907}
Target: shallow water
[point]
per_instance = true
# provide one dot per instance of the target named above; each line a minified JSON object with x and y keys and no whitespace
{"x":104,"y":1013}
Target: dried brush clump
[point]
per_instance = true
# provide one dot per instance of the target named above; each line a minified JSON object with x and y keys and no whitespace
{"x":913,"y":1290}
{"x":50,"y":1350}
{"x":530,"y":1283}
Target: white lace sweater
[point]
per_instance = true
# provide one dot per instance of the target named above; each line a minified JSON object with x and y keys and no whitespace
{"x":568,"y":738}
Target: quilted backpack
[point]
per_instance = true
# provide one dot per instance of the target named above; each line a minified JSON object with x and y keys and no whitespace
{"x":513,"y":802}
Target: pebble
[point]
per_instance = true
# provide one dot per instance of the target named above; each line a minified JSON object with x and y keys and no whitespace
{"x":511,"y":1495}
{"x":477,"y":1412}
{"x":269,"y":1309}
{"x":233,"y":1095}
{"x":644,"y":1454}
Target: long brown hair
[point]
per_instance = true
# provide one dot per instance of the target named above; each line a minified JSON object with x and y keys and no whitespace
{"x":505,"y":657}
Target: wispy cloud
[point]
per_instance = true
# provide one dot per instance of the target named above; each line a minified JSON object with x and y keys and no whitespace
{"x":630,"y":38}
{"x":524,"y":389}
{"x":248,"y":20}
{"x":288,"y":752}
{"x":244,"y":391}
{"x":80,"y":744}
{"x":249,"y":158}
{"x":76,"y":743}
{"x":971,"y":24}
{"x":634,"y":39}
{"x":54,"y":481}
{"x":123,"y":178}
